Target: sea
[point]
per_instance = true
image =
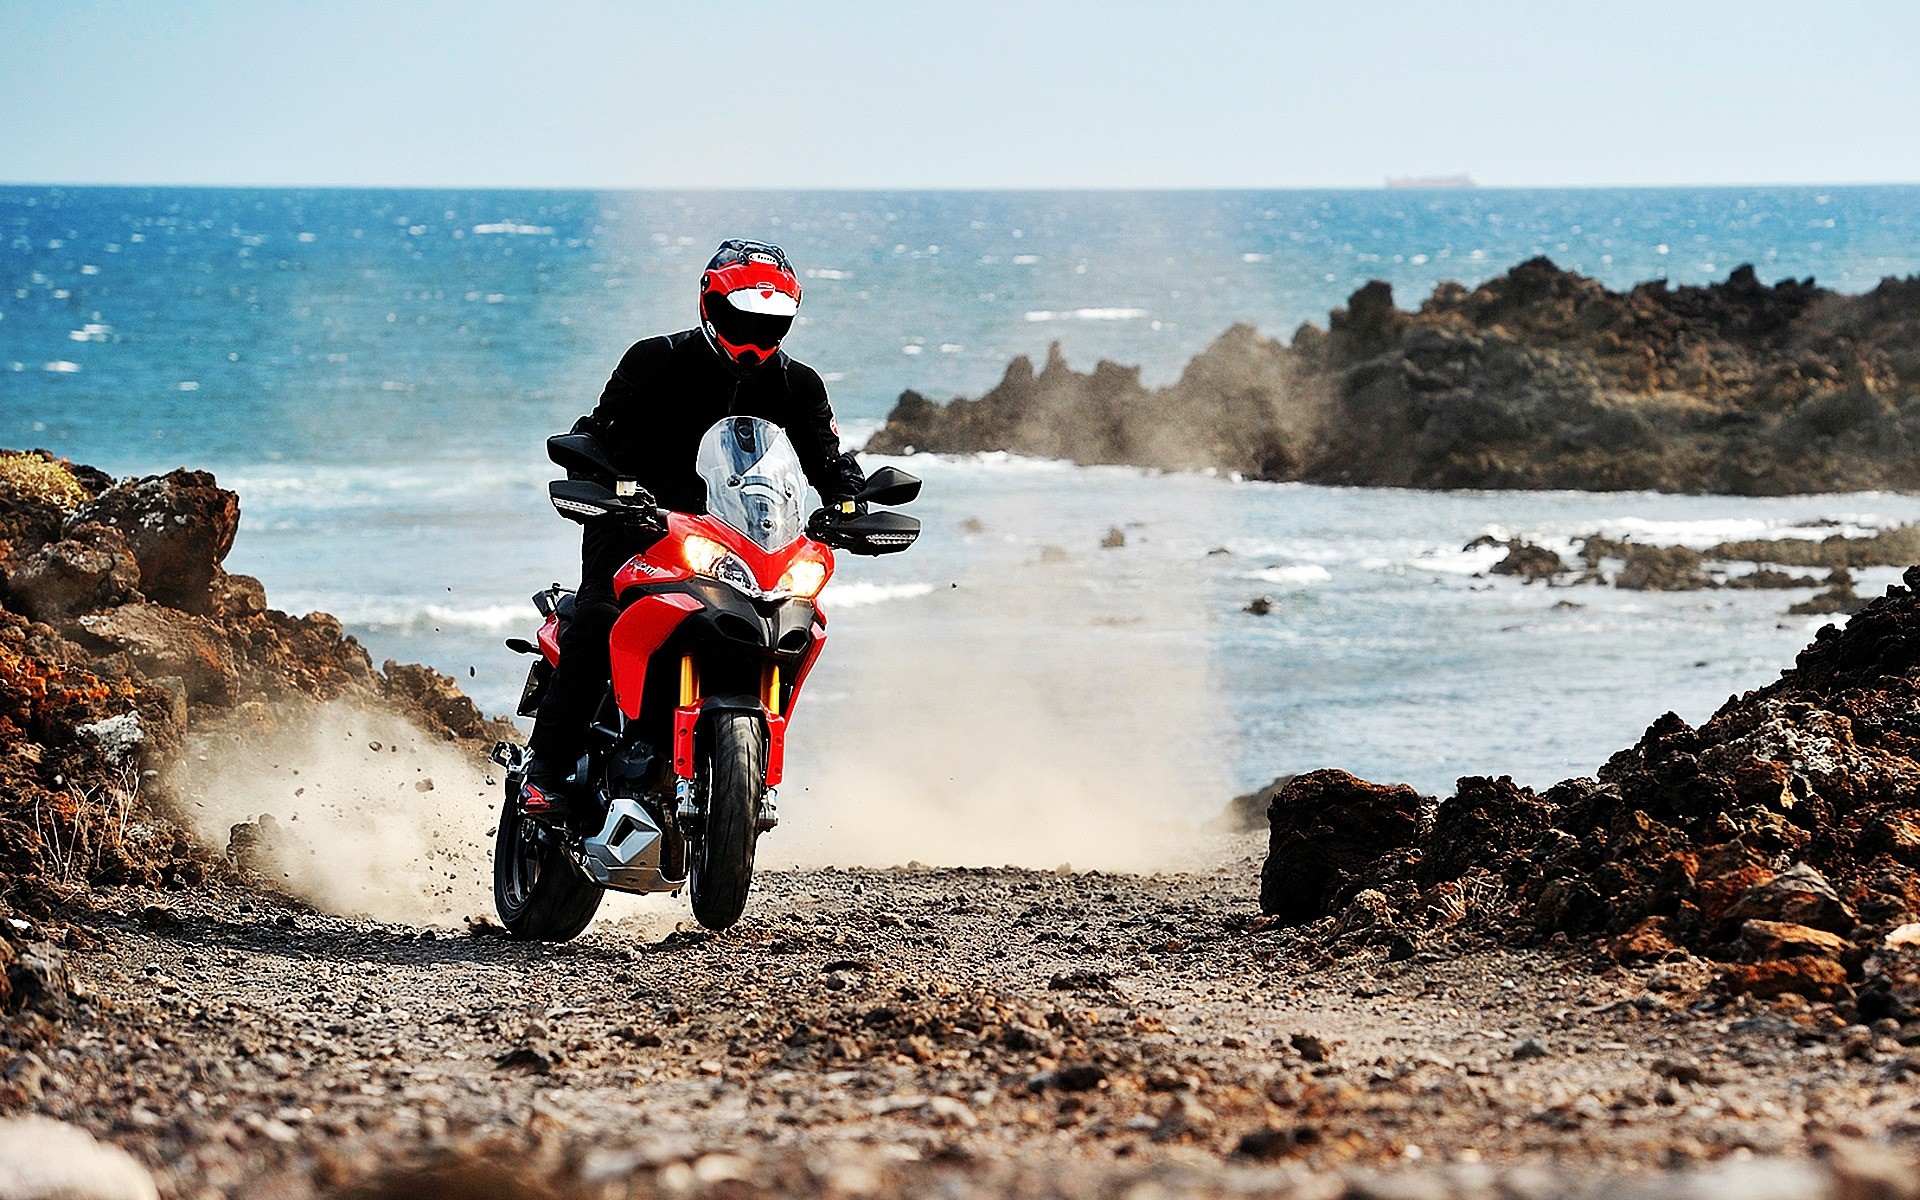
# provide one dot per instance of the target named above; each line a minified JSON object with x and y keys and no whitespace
{"x":374,"y":373}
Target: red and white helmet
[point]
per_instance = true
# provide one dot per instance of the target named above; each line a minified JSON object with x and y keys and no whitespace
{"x":748,"y":299}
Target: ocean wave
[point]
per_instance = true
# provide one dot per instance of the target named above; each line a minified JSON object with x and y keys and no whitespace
{"x":397,"y":615}
{"x":860,"y":593}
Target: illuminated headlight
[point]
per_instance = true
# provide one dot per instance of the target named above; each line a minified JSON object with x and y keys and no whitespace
{"x":708,"y":557}
{"x":804,"y":578}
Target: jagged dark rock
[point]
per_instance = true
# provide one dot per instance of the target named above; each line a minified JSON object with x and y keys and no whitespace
{"x":1539,"y":378}
{"x":1792,"y":807}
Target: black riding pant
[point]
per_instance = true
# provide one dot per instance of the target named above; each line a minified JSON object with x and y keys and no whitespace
{"x":580,"y":681}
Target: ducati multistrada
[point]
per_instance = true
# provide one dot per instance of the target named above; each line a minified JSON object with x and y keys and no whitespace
{"x":719,"y":626}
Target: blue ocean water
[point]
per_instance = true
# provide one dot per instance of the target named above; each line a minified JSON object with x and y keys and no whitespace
{"x":374,"y":372}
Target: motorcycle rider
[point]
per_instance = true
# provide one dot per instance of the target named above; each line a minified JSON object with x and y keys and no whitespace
{"x":665,"y":394}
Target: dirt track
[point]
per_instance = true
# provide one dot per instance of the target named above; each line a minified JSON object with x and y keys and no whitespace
{"x":926,"y":1032}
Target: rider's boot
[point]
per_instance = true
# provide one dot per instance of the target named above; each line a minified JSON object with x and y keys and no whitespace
{"x":544,"y":792}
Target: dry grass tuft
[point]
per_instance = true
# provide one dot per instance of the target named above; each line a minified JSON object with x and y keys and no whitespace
{"x":32,"y":476}
{"x":84,"y":827}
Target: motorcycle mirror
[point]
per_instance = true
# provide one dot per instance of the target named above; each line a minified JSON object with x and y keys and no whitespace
{"x":890,"y":486}
{"x":580,"y":452}
{"x":581,"y":500}
{"x":877,"y":533}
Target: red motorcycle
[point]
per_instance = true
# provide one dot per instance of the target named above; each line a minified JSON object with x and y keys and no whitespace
{"x":720,"y":625}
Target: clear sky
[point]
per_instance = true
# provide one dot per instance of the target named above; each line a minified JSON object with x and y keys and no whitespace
{"x":972,"y":93}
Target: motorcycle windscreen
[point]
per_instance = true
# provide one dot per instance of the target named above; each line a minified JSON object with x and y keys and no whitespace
{"x":754,"y":480}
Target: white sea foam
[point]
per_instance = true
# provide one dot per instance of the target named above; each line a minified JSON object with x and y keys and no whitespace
{"x":828,"y":273}
{"x":511,"y":227}
{"x":62,"y":367}
{"x":1087,"y":314}
{"x":1701,"y":534}
{"x":1298,"y":575}
{"x":859,"y":593}
{"x":399,"y":616}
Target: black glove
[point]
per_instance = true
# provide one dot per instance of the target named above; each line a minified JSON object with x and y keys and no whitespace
{"x":825,"y":519}
{"x":639,"y":512}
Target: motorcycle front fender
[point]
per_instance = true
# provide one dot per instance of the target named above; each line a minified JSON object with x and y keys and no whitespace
{"x":686,"y":726}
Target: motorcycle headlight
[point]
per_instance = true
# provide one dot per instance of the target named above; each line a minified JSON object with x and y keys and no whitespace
{"x":708,"y":557}
{"x":804,"y":578}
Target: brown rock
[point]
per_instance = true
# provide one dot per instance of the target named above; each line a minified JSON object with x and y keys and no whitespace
{"x":436,"y":702}
{"x":165,"y":641}
{"x":89,"y":570}
{"x":179,"y":526}
{"x":1809,"y":976}
{"x":1799,"y":895}
{"x":1648,"y":941}
{"x":1777,"y":939}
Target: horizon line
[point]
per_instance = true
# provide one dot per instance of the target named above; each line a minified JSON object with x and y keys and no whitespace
{"x":960,"y":188}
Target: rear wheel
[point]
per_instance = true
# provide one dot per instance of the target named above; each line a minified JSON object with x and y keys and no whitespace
{"x":536,"y":891}
{"x":736,"y":774}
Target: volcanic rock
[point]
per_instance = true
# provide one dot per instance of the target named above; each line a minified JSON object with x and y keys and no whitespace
{"x":1813,"y":977}
{"x":1539,"y":378}
{"x":1329,"y":833}
{"x":1778,"y":939}
{"x":90,"y":570}
{"x":118,"y":627}
{"x":1799,"y":895}
{"x":1781,"y":832}
{"x":179,"y":526}
{"x":166,"y":641}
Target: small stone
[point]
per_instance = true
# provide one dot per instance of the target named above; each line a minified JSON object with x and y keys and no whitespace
{"x":525,"y":1058}
{"x":1309,"y":1047}
{"x":1272,"y":1143}
{"x":1531,"y":1048}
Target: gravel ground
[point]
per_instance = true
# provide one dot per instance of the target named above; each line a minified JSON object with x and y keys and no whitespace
{"x":942,"y":1032}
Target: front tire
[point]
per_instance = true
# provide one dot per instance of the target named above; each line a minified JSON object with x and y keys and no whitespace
{"x":736,"y":771}
{"x":536,"y":891}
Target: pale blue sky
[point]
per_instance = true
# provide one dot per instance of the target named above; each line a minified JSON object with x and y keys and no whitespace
{"x":991,"y":93}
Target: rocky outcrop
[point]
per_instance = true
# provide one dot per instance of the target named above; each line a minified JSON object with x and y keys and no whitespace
{"x":1782,"y":835}
{"x":1539,"y":378}
{"x":119,"y":631}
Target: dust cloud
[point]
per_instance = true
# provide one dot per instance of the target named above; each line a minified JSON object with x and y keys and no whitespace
{"x":1015,"y":722}
{"x":370,"y":816}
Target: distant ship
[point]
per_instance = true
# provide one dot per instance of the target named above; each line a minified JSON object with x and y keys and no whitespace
{"x":1431,"y":182}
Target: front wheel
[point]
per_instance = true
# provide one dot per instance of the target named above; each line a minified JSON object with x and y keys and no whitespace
{"x":536,"y":891}
{"x":736,"y":775}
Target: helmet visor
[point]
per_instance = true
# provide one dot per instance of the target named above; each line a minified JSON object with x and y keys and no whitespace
{"x":750,"y":318}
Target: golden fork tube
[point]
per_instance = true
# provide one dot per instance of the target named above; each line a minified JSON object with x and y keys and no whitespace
{"x":770,"y":687}
{"x":689,"y":682}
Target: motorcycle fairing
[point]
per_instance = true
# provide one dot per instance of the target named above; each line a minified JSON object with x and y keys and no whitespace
{"x":642,"y":629}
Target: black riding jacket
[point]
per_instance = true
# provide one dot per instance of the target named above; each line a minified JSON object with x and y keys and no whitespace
{"x":668,"y":391}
